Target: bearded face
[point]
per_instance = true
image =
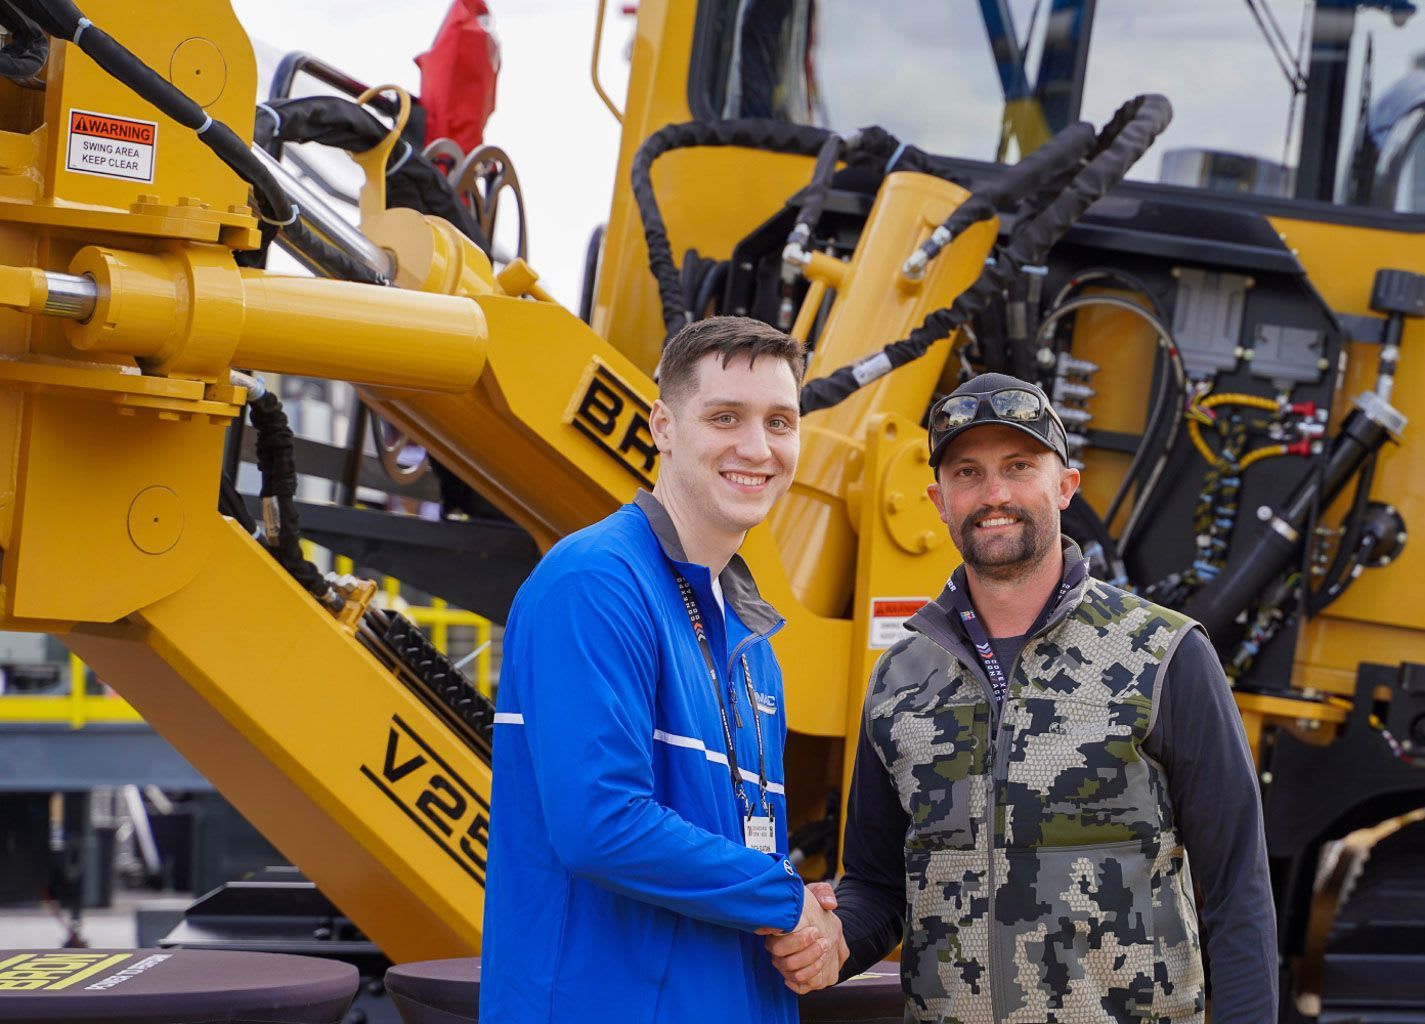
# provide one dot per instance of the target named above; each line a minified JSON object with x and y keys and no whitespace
{"x":1000,"y":493}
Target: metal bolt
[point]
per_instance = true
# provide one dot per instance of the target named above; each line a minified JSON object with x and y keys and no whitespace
{"x":926,"y":538}
{"x":895,"y":501}
{"x":1264,"y":512}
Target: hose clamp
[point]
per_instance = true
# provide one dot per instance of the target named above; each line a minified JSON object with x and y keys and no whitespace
{"x":1380,"y":412}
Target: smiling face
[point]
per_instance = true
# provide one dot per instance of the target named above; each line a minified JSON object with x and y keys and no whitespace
{"x":1001,"y":492}
{"x":729,"y":443}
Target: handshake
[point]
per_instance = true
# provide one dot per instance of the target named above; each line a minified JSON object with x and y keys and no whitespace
{"x":811,"y":954}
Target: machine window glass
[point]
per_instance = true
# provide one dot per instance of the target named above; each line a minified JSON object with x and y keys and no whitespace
{"x":1409,"y":193}
{"x":1268,"y":94}
{"x":920,"y":70}
{"x":1232,"y":101}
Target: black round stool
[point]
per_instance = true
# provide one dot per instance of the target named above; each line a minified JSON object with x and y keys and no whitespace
{"x":872,"y":997}
{"x":448,"y":992}
{"x":436,"y":991}
{"x":172,"y":986}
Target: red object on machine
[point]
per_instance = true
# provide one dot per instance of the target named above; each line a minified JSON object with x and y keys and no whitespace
{"x":458,"y":75}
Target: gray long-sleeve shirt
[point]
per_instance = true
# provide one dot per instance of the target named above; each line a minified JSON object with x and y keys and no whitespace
{"x":1199,"y":742}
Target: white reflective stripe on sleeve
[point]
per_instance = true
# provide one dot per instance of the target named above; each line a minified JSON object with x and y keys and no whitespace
{"x":680,"y":741}
{"x":714,"y":756}
{"x":508,"y":718}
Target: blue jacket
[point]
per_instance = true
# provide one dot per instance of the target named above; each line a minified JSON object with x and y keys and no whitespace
{"x":620,"y":888}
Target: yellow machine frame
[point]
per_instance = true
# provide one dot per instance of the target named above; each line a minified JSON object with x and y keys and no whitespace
{"x":111,"y":431}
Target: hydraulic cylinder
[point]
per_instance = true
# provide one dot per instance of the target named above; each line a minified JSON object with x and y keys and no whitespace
{"x":191,"y":312}
{"x":875,"y":305}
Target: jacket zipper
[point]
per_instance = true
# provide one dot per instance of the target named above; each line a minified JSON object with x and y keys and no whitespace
{"x":992,"y":822}
{"x":748,"y":640}
{"x":999,"y":768}
{"x":996,"y":720}
{"x":744,"y":644}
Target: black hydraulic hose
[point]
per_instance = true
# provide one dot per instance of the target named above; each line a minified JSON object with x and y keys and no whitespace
{"x":1155,"y":437}
{"x":1086,"y":276}
{"x":1119,"y":145}
{"x":282,"y":527}
{"x":815,"y":197}
{"x":25,"y":52}
{"x":412,"y":180}
{"x":1278,"y":538}
{"x":591,"y":274}
{"x":711,"y":287}
{"x":230,"y":504}
{"x":774,"y":136}
{"x":866,"y":147}
{"x":1034,"y":182}
{"x":63,"y":19}
{"x":1164,"y":415}
{"x":1348,"y":551}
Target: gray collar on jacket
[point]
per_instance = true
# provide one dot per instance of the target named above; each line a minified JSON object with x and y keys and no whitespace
{"x":739,"y":589}
{"x":940,"y":622}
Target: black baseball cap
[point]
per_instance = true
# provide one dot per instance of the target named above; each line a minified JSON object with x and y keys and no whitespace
{"x":996,"y":398}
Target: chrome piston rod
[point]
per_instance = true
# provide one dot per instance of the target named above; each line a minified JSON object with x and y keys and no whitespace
{"x":70,"y":296}
{"x":74,"y":296}
{"x":324,"y":220}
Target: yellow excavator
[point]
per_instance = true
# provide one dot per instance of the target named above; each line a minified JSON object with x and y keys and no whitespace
{"x":1235,"y":348}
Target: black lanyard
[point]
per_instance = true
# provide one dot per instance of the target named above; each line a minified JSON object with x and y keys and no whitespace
{"x":960,"y":597}
{"x":695,"y":617}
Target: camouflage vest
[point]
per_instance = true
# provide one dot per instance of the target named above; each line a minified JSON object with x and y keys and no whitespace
{"x":1045,"y":878}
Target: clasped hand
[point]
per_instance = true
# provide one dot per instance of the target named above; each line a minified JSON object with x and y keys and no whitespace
{"x":810,"y":956}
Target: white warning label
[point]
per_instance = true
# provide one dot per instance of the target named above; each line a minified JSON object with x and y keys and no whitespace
{"x":888,"y":617}
{"x":111,"y":147}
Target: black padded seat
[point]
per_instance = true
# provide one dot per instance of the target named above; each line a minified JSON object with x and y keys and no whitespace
{"x":872,"y":997}
{"x":448,"y":992}
{"x":172,"y":986}
{"x":436,"y":991}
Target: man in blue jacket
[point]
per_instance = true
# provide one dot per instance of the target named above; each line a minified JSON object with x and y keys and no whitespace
{"x":639,"y":832}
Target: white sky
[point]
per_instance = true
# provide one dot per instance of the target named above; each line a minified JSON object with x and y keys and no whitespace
{"x":560,"y":137}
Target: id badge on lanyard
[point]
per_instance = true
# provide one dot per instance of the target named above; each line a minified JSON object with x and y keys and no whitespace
{"x":759,"y":830}
{"x":760,"y":833}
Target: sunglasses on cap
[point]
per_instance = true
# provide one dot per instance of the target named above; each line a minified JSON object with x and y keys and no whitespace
{"x":1016,"y":405}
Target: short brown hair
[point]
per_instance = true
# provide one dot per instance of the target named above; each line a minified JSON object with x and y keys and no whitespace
{"x":728,"y":336}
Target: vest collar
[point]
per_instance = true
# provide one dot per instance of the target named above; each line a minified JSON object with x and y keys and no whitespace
{"x":739,"y":589}
{"x":939,"y":620}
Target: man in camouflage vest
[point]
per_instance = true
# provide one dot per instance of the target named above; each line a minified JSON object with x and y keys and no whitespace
{"x":1040,"y":762}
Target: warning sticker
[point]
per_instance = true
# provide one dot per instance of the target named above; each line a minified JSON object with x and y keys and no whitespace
{"x":888,"y":617}
{"x":111,"y":147}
